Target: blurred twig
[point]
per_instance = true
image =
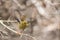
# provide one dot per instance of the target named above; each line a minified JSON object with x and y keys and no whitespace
{"x":8,"y":20}
{"x":19,"y":5}
{"x":16,"y":31}
{"x":40,"y":9}
{"x":7,"y":27}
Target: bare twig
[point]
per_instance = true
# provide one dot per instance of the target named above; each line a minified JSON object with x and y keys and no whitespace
{"x":50,"y":3}
{"x":40,"y":9}
{"x":19,"y":5}
{"x":8,"y":20}
{"x":16,"y":31}
{"x":8,"y":27}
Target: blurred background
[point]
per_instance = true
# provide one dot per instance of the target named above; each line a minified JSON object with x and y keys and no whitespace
{"x":43,"y":17}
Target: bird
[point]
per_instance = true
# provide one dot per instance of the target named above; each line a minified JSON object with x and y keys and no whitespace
{"x":23,"y":23}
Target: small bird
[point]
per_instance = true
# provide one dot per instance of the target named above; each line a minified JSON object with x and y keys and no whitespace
{"x":23,"y":23}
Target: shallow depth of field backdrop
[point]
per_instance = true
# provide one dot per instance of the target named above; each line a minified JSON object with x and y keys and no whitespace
{"x":46,"y":14}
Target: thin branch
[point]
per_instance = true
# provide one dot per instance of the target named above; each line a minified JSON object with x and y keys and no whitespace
{"x":8,"y":27}
{"x":8,"y":20}
{"x":40,"y":9}
{"x":18,"y":4}
{"x":16,"y":31}
{"x":50,"y":3}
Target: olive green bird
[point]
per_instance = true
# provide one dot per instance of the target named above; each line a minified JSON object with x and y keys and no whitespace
{"x":23,"y":23}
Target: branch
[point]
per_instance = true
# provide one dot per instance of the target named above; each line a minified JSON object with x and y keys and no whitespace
{"x":19,"y":5}
{"x":50,"y":3}
{"x":8,"y":27}
{"x":15,"y":31}
{"x":8,"y":20}
{"x":40,"y":9}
